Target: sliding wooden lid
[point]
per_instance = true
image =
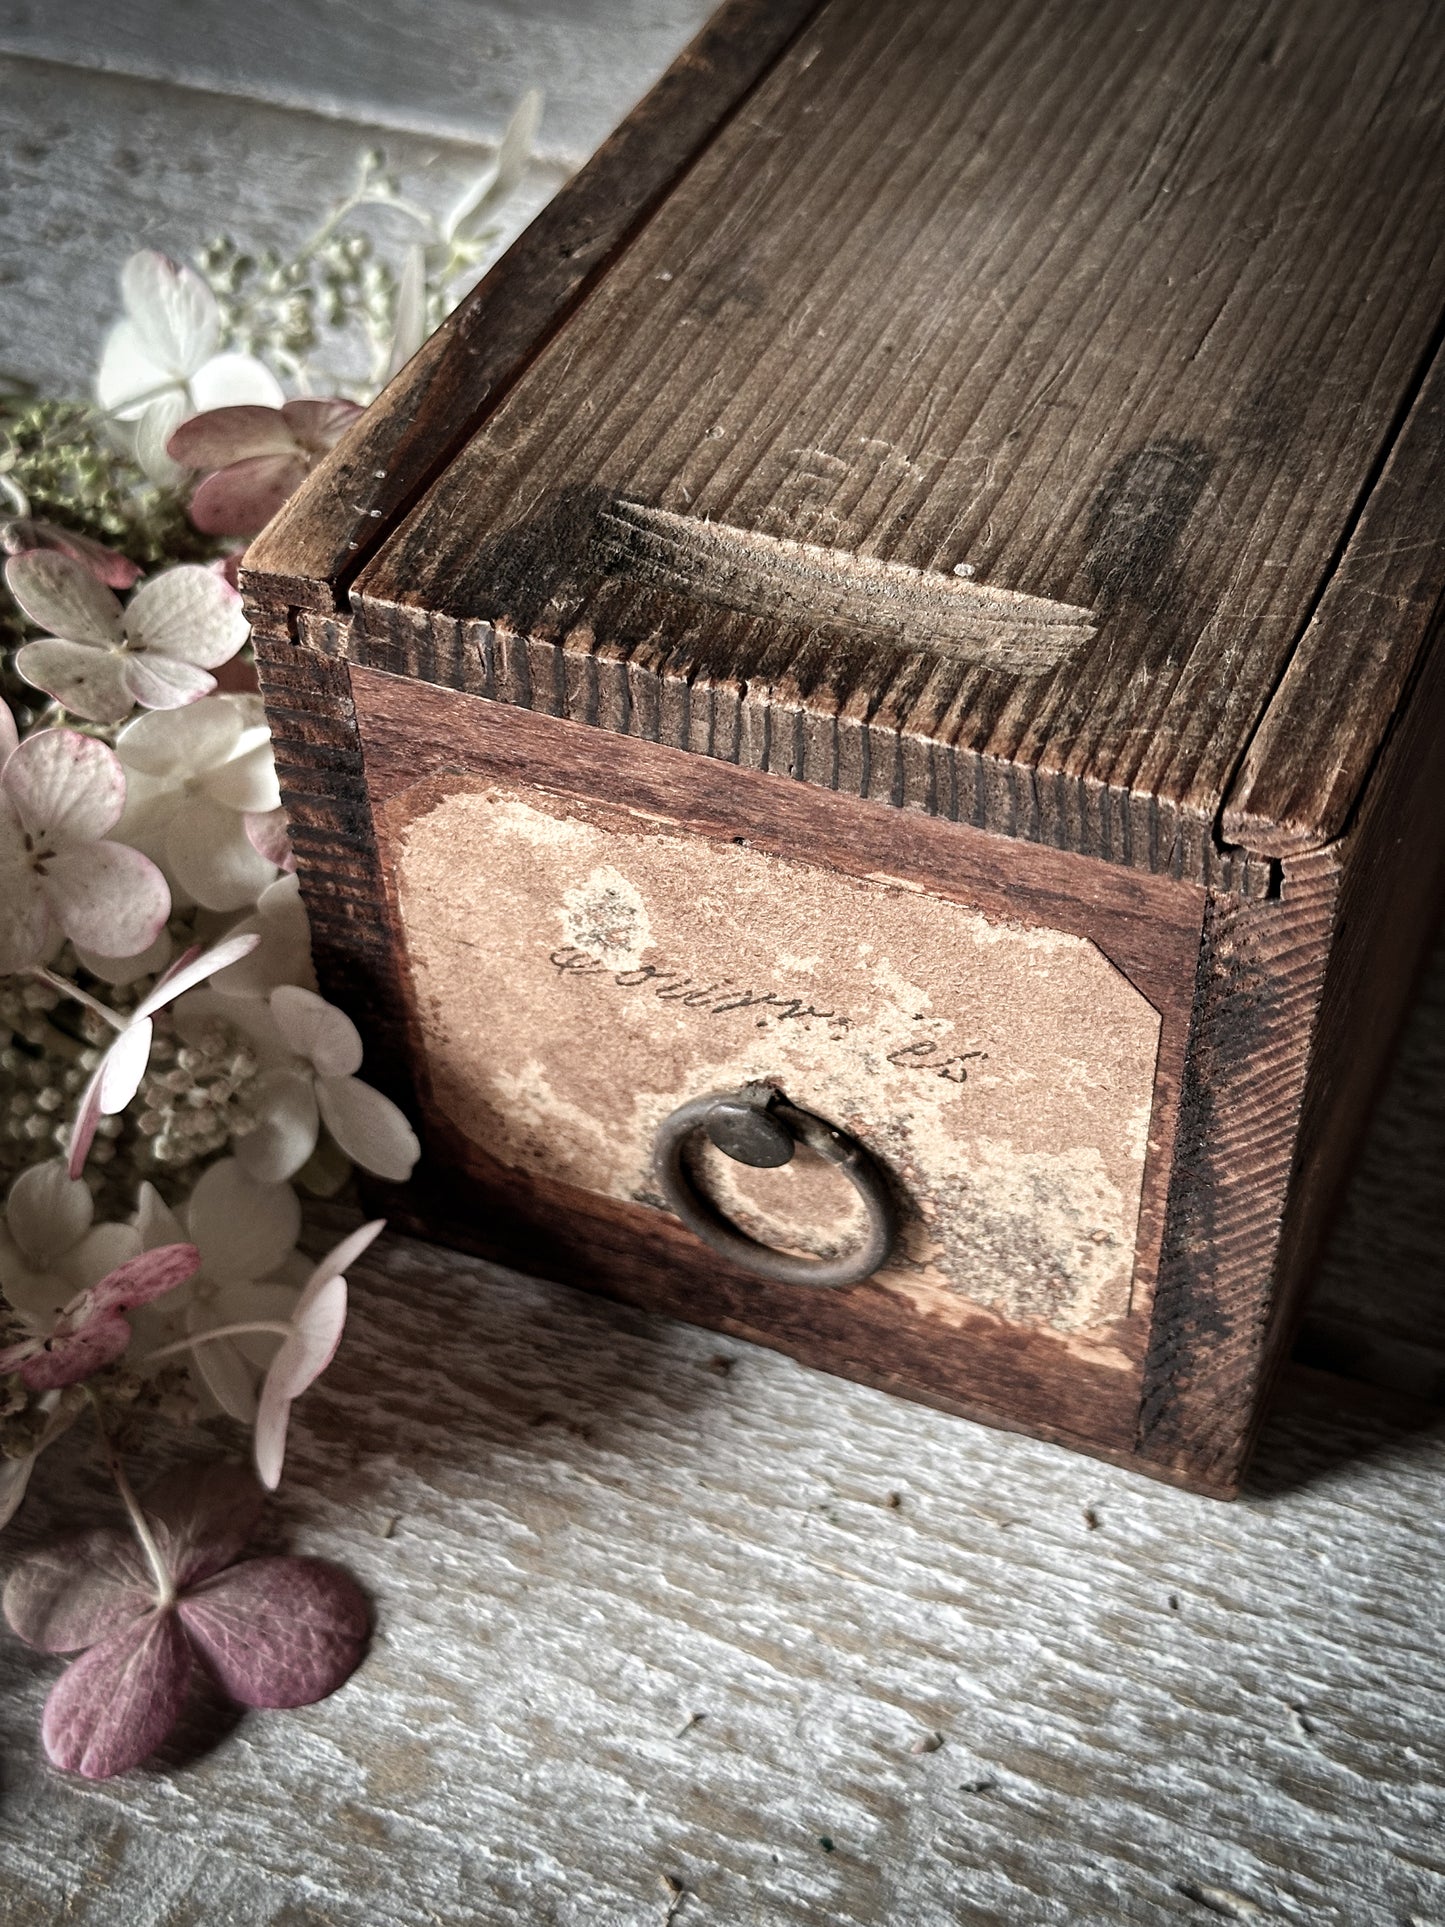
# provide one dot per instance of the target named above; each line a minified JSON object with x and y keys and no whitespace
{"x":1022,"y":412}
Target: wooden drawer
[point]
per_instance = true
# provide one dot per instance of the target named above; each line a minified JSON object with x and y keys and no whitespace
{"x":913,"y":587}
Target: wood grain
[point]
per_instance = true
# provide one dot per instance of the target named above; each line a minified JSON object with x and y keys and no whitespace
{"x":1307,"y":764}
{"x":1127,"y":321}
{"x":582,"y":1527}
{"x":311,"y":551}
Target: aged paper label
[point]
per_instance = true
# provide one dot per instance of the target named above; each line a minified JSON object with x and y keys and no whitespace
{"x":579,"y":972}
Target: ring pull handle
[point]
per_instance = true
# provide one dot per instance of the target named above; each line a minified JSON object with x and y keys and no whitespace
{"x":759,"y":1126}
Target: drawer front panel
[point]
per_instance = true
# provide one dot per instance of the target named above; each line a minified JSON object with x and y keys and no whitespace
{"x":581,"y":970}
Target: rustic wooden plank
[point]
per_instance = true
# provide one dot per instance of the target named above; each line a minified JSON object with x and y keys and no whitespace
{"x":456,"y":72}
{"x":582,"y":1527}
{"x":331,"y":525}
{"x":1307,"y":763}
{"x":1085,"y":331}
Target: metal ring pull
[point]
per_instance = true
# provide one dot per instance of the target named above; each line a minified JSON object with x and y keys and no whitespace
{"x":758,"y":1126}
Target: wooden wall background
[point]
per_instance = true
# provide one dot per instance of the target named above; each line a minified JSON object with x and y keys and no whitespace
{"x":583,"y":1527}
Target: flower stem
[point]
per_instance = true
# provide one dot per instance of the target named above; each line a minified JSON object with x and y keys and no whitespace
{"x":165,"y":1584}
{"x":221,"y":1331}
{"x":68,"y":989}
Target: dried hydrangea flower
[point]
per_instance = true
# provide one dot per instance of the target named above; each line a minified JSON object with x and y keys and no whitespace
{"x":100,"y":659}
{"x":161,"y":363}
{"x":60,"y":792}
{"x":270,"y":1631}
{"x":196,"y":776}
{"x":257,"y":458}
{"x":91,"y":1331}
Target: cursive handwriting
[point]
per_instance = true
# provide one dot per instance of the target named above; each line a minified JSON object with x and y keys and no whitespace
{"x":674,"y":986}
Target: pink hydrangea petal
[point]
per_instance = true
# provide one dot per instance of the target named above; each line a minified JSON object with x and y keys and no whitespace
{"x":319,"y":425}
{"x":108,"y":897}
{"x":63,"y":597}
{"x":224,"y":435}
{"x":241,"y":499}
{"x":114,"y":1705}
{"x":343,"y":1256}
{"x":77,"y":1355}
{"x":87,"y":1119}
{"x":193,"y":966}
{"x":160,"y":682}
{"x":278,"y":1631}
{"x":172,"y":311}
{"x":67,"y":788}
{"x":86,"y":680}
{"x":269,"y":834}
{"x":109,"y":566}
{"x":79,"y":1591}
{"x":188,"y":613}
{"x":203,"y":1519}
{"x":317,"y":1324}
{"x":142,"y":1279}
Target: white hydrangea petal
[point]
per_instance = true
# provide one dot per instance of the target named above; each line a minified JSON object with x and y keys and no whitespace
{"x":284,"y":1102}
{"x":242,"y":1225}
{"x":209,"y":851}
{"x":181,"y":742}
{"x":317,"y":1031}
{"x":188,"y":612}
{"x":284,"y":953}
{"x":173,"y":312}
{"x":87,"y":681}
{"x":200,"y":1011}
{"x":155,"y":1221}
{"x":151,"y":434}
{"x":99,"y":1252}
{"x":123,"y":1066}
{"x":27,"y":929}
{"x":247,"y":782}
{"x":193,"y":967}
{"x":223,"y":1369}
{"x":62,"y":597}
{"x":235,"y":381}
{"x":370,"y":1129}
{"x":160,"y":682}
{"x":125,"y":970}
{"x":128,"y":377}
{"x":9,"y":733}
{"x":107,"y":897}
{"x":66,"y":788}
{"x":14,"y":1478}
{"x":47,"y":1212}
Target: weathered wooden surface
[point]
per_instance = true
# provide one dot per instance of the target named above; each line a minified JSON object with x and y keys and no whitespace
{"x":646,"y":1608}
{"x":1016,"y":291}
{"x":452,"y":69}
{"x":97,"y":165}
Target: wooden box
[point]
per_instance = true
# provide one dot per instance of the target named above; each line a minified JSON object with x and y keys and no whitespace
{"x":910,"y":594}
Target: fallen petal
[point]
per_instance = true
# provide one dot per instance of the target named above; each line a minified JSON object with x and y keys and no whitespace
{"x":115,"y":1704}
{"x":279,"y":1631}
{"x":203,"y":1517}
{"x":79,"y":1591}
